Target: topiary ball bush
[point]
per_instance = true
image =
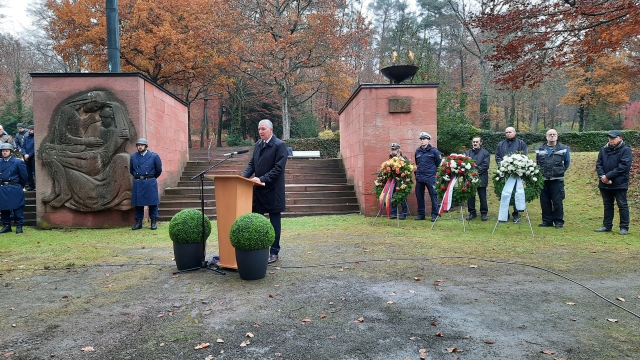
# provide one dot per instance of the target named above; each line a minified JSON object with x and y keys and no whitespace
{"x":186,"y":226}
{"x":252,"y":231}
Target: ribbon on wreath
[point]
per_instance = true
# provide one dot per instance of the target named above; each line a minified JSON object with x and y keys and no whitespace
{"x":447,"y":198}
{"x":386,"y":197}
{"x":505,"y":197}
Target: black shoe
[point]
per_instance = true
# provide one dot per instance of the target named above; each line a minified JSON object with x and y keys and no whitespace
{"x":5,"y":229}
{"x":471,"y":217}
{"x":154,"y":224}
{"x":19,"y":229}
{"x":624,"y":232}
{"x":393,"y":216}
{"x":434,"y":218}
{"x":402,"y":217}
{"x":272,"y":258}
{"x":419,"y":217}
{"x":138,"y":225}
{"x":485,"y":217}
{"x":516,"y":218}
{"x":602,"y":229}
{"x":559,"y":226}
{"x":545,"y":225}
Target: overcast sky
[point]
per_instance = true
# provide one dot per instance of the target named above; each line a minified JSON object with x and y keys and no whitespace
{"x":16,"y":20}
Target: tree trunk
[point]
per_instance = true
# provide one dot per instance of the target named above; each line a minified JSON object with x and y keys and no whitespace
{"x":189,"y":124}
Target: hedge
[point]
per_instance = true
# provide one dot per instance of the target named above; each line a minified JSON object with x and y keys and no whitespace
{"x":329,"y":148}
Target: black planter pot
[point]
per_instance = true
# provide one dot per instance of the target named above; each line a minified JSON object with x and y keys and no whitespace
{"x":252,"y":264}
{"x":188,"y":255}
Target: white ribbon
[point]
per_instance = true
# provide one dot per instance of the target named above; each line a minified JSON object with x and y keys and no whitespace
{"x":505,"y":197}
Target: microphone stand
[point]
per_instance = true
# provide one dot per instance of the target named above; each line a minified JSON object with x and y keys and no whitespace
{"x":205,"y":264}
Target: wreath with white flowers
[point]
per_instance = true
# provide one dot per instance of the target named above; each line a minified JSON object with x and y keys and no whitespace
{"x":519,"y":165}
{"x":399,"y":170}
{"x":465,"y":170}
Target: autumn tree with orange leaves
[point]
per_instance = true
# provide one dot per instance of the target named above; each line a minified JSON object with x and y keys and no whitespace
{"x":534,"y":38}
{"x":298,"y":47}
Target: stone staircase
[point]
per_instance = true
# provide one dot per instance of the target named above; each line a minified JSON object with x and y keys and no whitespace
{"x":312,"y":186}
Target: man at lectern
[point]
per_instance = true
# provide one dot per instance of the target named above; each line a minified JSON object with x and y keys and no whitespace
{"x":267,"y":166}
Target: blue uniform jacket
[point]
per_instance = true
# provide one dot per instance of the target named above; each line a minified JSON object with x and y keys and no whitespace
{"x":427,"y":159}
{"x":145,"y":170}
{"x":13,"y":178}
{"x":28,"y":146}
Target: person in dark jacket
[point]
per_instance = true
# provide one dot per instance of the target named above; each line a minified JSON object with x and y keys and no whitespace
{"x":29,"y":156}
{"x":613,"y":166}
{"x":18,"y":140}
{"x":427,"y":161}
{"x":482,"y":158}
{"x":146,"y":167}
{"x":508,"y":146}
{"x":13,"y":177}
{"x":396,"y":152}
{"x":267,"y":167}
{"x":554,"y":160}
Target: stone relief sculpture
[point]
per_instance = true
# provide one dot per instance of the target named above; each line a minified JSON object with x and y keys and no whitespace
{"x":84,"y":153}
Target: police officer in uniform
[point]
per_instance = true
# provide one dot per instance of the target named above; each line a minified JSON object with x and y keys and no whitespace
{"x":13,"y":177}
{"x":146,"y":167}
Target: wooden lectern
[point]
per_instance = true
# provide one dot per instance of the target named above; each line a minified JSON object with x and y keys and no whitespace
{"x":234,"y":197}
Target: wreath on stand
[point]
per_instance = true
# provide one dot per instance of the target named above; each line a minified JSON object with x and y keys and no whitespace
{"x":519,"y":165}
{"x":394,"y":182}
{"x":462,"y":171}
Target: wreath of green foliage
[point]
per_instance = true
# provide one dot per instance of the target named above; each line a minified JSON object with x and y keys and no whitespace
{"x":519,"y":165}
{"x":465,"y":169}
{"x":400,"y":170}
{"x":186,"y":226}
{"x":252,"y":231}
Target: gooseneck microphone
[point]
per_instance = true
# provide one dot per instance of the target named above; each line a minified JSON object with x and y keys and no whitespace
{"x":236,"y":152}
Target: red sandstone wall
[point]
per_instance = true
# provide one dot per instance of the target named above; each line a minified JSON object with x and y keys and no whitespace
{"x":367,"y":129}
{"x":155,"y":114}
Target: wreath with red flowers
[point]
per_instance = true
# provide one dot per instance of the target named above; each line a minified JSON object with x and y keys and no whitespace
{"x":465,"y":170}
{"x":400,"y":170}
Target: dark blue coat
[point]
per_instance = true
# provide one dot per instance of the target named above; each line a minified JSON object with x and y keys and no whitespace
{"x":145,"y":170}
{"x":427,"y":159}
{"x":12,"y":171}
{"x":506,"y":147}
{"x":615,"y":163}
{"x":18,"y":140}
{"x":268,"y":165}
{"x":28,"y":146}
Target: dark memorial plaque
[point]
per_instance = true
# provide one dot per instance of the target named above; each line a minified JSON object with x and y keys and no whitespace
{"x":400,"y":105}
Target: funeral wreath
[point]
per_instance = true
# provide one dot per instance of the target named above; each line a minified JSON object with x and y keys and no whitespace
{"x":521,"y":166}
{"x":395,"y":173}
{"x":463,"y":169}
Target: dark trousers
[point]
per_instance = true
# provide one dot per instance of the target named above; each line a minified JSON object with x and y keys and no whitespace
{"x":403,"y":205}
{"x":551,"y":199}
{"x":471,"y":203}
{"x":620,"y":197}
{"x":153,"y":212}
{"x":18,"y":216}
{"x":420,"y":186}
{"x":31,"y":173}
{"x":276,"y":222}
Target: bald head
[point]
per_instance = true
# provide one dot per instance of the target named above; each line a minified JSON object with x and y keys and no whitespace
{"x":510,"y":132}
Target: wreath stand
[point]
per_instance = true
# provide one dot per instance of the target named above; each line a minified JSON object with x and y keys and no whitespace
{"x":526,"y":211}
{"x":398,"y":209}
{"x":464,"y":227}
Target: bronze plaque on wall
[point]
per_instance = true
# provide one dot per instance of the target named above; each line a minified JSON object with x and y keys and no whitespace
{"x":400,"y":105}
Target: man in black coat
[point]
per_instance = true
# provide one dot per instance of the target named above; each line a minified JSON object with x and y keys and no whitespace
{"x":613,"y":166}
{"x":511,"y":144}
{"x":482,"y":158}
{"x":267,"y":165}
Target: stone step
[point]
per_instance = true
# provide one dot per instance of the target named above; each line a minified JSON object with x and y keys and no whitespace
{"x":186,"y":191}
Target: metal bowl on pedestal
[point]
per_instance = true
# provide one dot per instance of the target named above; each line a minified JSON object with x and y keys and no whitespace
{"x":399,"y":73}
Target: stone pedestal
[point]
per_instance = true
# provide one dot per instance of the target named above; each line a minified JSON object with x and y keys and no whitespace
{"x":376,"y":116}
{"x":152,"y":112}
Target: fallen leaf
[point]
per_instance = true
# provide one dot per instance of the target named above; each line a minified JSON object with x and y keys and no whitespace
{"x":389,"y":302}
{"x":323,"y":316}
{"x":621,"y":299}
{"x":106,"y":274}
{"x":423,"y":353}
{"x":557,"y":358}
{"x":160,"y":315}
{"x":570,"y":303}
{"x":305,"y":320}
{"x":271,"y":273}
{"x":489,"y":342}
{"x":357,"y":263}
{"x":473,"y":266}
{"x":416,"y":278}
{"x":359,"y":320}
{"x":202,"y":346}
{"x":548,"y":352}
{"x":256,"y":324}
{"x":220,"y":341}
{"x":439,"y":334}
{"x":8,"y":354}
{"x":249,"y":335}
{"x":332,"y":336}
{"x":161,"y":344}
{"x":108,"y":286}
{"x":412,"y":291}
{"x":65,"y":297}
{"x":612,"y":320}
{"x":13,"y":325}
{"x":574,"y":319}
{"x":330,"y":302}
{"x":366,"y":250}
{"x":270,"y":295}
{"x":412,"y":338}
{"x":392,"y":294}
{"x":433,"y":323}
{"x":278,"y":354}
{"x":453,"y":349}
{"x":174,"y":276}
{"x":245,"y":343}
{"x":341,"y":269}
{"x":439,"y":281}
{"x":277,"y":267}
{"x":88,"y":348}
{"x":210,"y":357}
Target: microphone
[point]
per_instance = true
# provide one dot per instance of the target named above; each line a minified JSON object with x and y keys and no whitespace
{"x":236,"y":152}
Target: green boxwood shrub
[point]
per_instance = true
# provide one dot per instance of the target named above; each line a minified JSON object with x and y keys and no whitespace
{"x":329,"y":148}
{"x":186,"y":226}
{"x":252,"y":231}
